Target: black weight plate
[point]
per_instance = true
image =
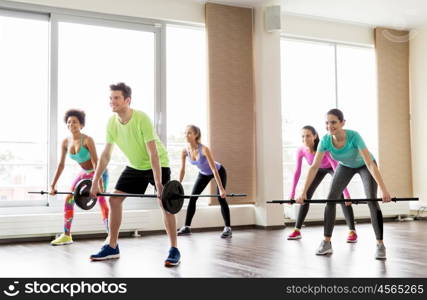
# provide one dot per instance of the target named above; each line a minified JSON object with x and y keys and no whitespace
{"x":171,"y":197}
{"x":81,"y":194}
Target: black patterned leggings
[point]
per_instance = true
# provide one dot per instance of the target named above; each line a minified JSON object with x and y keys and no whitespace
{"x":201,"y":182}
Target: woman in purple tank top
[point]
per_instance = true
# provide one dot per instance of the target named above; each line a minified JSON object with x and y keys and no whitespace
{"x":200,"y":156}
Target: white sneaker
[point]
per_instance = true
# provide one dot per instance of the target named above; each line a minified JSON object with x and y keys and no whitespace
{"x":184,"y":230}
{"x":380,"y":252}
{"x":226,"y":233}
{"x":324,"y":248}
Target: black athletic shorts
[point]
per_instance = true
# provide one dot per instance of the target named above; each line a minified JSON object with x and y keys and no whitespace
{"x":135,"y":181}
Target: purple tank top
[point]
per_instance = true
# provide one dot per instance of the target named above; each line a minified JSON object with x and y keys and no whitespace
{"x":202,"y":163}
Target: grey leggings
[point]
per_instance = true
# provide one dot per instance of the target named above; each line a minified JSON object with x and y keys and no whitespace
{"x":341,"y":179}
{"x":303,"y":210}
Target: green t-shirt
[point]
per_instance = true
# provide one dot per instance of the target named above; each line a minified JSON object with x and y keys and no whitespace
{"x":348,"y":155}
{"x":132,"y":138}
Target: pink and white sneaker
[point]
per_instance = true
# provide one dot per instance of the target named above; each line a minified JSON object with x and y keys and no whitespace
{"x":352,"y":237}
{"x":295,"y":235}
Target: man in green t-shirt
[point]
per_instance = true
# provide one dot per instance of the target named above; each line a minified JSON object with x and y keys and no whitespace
{"x":133,"y":132}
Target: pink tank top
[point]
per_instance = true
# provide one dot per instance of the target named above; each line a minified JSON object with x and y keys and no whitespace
{"x":327,"y":163}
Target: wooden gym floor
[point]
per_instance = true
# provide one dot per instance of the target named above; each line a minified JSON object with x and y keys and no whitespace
{"x":250,"y":253}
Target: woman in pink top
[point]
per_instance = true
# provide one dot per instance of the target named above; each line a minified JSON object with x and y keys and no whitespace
{"x":310,"y":139}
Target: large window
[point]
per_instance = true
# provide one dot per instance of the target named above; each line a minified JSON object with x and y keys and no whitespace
{"x":90,"y":58}
{"x":318,"y":76}
{"x":24,"y":123}
{"x":54,"y":62}
{"x":186,"y":92}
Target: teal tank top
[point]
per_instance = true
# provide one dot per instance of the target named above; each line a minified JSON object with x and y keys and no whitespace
{"x":83,"y":155}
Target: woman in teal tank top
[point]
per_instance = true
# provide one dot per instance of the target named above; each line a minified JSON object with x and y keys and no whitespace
{"x":348,"y":148}
{"x":80,"y":148}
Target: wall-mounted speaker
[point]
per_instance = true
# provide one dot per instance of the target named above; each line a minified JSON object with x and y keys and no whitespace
{"x":272,"y":18}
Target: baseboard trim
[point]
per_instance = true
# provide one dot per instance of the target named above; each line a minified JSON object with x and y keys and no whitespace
{"x":85,"y":236}
{"x":271,"y":227}
{"x":133,"y":233}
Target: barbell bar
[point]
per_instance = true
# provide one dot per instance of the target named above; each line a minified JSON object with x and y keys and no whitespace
{"x":172,"y":197}
{"x":356,"y":201}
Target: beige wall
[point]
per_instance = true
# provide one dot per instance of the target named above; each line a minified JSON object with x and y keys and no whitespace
{"x":418,"y":110}
{"x":269,"y":123}
{"x":172,"y":10}
{"x":327,"y":30}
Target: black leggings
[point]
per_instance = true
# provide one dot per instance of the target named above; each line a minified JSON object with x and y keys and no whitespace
{"x":341,"y":179}
{"x":302,"y":213}
{"x":200,"y":184}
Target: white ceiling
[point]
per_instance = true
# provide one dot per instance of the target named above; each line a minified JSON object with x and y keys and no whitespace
{"x":400,"y":14}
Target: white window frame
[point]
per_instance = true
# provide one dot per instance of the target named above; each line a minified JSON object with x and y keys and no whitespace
{"x":54,"y":16}
{"x":33,"y":16}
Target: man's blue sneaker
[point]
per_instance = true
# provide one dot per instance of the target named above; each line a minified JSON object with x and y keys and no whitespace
{"x":106,"y":253}
{"x":173,"y":258}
